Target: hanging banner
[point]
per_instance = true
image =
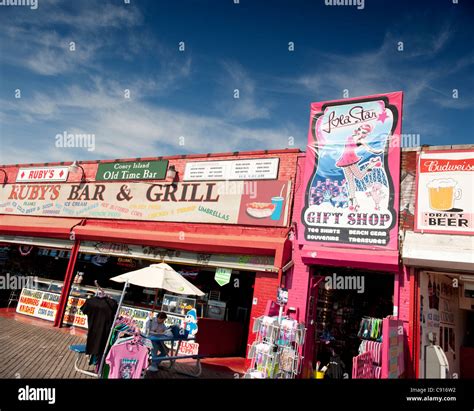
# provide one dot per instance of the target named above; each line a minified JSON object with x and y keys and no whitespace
{"x":262,"y":203}
{"x":352,"y":172}
{"x":222,"y":276}
{"x":444,"y":200}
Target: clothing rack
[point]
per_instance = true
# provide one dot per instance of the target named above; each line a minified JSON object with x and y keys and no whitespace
{"x":80,"y":349}
{"x":100,"y":291}
{"x":102,"y":360}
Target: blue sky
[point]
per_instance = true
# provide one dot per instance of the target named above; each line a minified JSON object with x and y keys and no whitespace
{"x":182,"y":101}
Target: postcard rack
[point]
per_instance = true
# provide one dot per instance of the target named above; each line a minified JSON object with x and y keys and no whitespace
{"x":276,"y":351}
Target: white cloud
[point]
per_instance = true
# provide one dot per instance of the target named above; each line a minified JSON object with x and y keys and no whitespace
{"x":383,"y":70}
{"x":129,"y":128}
{"x":247,"y":107}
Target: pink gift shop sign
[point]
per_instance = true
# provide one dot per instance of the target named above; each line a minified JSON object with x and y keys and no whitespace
{"x":352,"y":172}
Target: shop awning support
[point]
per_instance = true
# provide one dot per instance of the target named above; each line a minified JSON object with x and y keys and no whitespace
{"x":67,"y":284}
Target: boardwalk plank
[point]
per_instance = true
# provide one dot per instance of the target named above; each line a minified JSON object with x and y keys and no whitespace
{"x":39,"y":351}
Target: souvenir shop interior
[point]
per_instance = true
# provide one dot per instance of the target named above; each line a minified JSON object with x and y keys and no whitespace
{"x":349,"y":321}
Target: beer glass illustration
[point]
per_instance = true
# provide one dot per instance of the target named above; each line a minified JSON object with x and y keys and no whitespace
{"x":443,"y":193}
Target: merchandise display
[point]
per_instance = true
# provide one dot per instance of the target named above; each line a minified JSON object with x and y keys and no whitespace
{"x":370,"y":328}
{"x":276,"y":351}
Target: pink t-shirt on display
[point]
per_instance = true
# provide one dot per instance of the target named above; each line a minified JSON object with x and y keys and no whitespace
{"x":127,"y":360}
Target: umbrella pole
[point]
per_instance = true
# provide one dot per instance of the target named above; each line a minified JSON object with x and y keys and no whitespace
{"x":154,"y":302}
{"x":102,"y":360}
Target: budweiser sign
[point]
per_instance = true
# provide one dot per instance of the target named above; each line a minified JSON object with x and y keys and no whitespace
{"x":444,"y":165}
{"x":444,"y":192}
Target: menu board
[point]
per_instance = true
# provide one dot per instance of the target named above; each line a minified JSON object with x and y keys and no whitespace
{"x":73,"y":314}
{"x":40,"y":304}
{"x":248,"y":169}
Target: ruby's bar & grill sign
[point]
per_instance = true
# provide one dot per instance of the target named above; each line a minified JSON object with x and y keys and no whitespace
{"x":352,"y":172}
{"x":262,"y":203}
{"x":445,"y":199}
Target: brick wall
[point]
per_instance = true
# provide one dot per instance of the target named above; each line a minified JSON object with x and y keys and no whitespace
{"x":407,"y":190}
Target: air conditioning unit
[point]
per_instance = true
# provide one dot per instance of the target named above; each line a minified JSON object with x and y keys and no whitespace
{"x":466,"y":295}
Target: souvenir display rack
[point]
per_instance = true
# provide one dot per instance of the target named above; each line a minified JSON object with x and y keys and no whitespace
{"x":276,"y":351}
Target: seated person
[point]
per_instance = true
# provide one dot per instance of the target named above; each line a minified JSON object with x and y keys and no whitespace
{"x":158,"y":327}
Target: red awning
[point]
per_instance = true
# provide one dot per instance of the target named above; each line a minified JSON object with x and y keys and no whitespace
{"x":210,"y":243}
{"x":37,"y":226}
{"x":364,"y":258}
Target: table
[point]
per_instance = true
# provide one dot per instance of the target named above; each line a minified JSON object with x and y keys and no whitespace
{"x":173,"y":356}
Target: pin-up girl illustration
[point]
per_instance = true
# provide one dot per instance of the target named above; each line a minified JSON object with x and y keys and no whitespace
{"x":349,"y":161}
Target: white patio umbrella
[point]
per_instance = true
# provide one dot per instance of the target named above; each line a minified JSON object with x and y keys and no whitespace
{"x":159,"y":276}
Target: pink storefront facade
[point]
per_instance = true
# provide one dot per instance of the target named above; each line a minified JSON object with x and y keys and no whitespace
{"x":301,"y":281}
{"x":347,"y":282}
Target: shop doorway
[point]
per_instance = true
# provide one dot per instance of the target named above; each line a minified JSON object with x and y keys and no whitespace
{"x":446,"y":302}
{"x":343,"y":299}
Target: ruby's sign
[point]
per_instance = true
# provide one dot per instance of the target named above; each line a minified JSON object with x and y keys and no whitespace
{"x":264,"y":203}
{"x":39,"y":174}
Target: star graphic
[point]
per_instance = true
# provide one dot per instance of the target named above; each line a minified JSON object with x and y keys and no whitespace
{"x":382,"y":116}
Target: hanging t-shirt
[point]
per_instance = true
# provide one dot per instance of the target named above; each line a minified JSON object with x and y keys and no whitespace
{"x":127,"y":360}
{"x":100,"y":313}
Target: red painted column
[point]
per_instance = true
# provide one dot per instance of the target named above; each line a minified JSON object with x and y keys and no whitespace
{"x":67,"y":284}
{"x":416,"y":326}
{"x":265,"y":288}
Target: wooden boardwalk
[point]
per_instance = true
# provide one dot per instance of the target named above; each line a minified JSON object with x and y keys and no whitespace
{"x":40,"y":351}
